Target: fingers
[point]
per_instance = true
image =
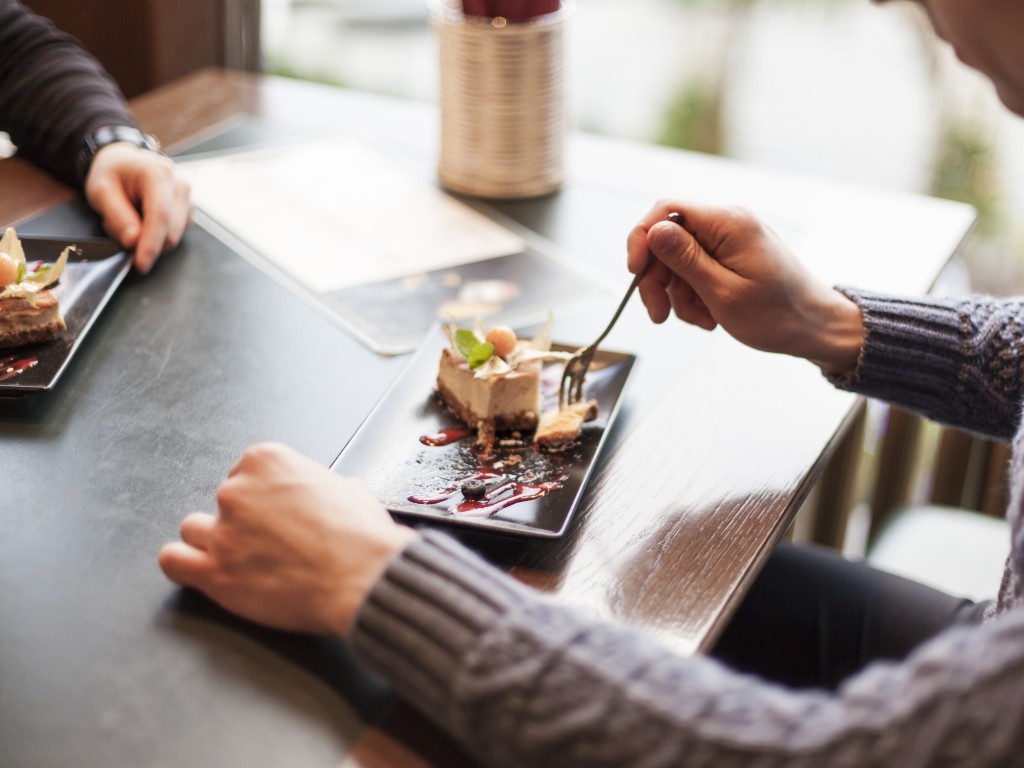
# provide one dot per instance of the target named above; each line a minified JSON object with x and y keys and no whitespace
{"x":653,"y":292}
{"x":662,"y":288}
{"x":636,"y":249}
{"x":188,"y":562}
{"x":688,"y":275}
{"x":637,"y":245}
{"x":186,"y":565}
{"x":687,"y":259}
{"x":145,"y":204}
{"x":674,"y":247}
{"x":155,"y":227}
{"x":167,"y":212}
{"x":260,"y":456}
{"x":197,"y":529}
{"x":689,"y":307}
{"x":655,"y":285}
{"x":120,"y":219}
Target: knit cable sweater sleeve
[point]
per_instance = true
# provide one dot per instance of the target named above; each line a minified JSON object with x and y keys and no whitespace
{"x":958,"y":361}
{"x":52,"y":93}
{"x":522,"y":682}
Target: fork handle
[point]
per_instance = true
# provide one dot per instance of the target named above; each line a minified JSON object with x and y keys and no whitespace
{"x":625,"y":300}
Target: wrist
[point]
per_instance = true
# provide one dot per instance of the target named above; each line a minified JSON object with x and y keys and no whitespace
{"x":96,"y":140}
{"x":377,"y":556}
{"x":840,"y":336}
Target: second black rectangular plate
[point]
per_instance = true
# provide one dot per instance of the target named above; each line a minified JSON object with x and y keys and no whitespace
{"x":90,"y":278}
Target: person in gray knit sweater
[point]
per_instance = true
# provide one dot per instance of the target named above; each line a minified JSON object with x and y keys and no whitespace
{"x":522,"y":682}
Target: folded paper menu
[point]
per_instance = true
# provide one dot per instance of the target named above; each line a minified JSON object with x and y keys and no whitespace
{"x":384,"y":250}
{"x":336,"y":213}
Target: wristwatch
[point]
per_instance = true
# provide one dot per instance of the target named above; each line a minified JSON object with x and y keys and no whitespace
{"x":111,"y":134}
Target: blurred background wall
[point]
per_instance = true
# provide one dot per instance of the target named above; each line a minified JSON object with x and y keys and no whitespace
{"x":146,"y":43}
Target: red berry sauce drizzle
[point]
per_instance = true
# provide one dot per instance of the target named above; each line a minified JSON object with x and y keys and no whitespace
{"x":505,"y":494}
{"x":471,"y":482}
{"x":11,"y":366}
{"x":446,"y":436}
{"x":497,"y":481}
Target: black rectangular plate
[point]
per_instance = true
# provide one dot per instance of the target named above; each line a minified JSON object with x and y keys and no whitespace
{"x":388,"y":453}
{"x":89,"y":280}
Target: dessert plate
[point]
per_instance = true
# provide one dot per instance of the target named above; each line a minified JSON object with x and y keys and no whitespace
{"x":89,"y":280}
{"x":415,"y":455}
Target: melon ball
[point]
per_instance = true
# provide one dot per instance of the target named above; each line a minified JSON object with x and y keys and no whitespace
{"x":503,"y":338}
{"x":8,"y":270}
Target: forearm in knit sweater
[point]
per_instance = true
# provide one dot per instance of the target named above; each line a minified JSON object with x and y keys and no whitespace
{"x":522,"y":682}
{"x":51,"y":93}
{"x":958,"y":361}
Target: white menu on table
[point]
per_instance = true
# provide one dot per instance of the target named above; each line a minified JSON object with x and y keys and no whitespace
{"x":335,"y":213}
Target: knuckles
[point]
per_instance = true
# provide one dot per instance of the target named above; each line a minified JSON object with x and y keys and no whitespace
{"x":264,"y":453}
{"x":260,"y":461}
{"x":742,"y":223}
{"x":665,"y":204}
{"x":229,"y":495}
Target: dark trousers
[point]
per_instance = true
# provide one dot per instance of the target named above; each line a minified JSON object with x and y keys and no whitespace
{"x":813,"y":618}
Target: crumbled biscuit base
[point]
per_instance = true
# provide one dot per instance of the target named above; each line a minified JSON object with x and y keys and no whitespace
{"x":560,"y":426}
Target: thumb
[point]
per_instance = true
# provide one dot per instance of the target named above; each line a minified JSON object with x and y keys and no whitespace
{"x":679,"y":250}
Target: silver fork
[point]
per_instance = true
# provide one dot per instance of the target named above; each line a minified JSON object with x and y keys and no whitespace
{"x":570,"y":389}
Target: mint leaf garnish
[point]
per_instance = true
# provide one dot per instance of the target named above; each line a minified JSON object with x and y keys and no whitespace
{"x":481,"y":354}
{"x":465,"y":342}
{"x":470,"y":347}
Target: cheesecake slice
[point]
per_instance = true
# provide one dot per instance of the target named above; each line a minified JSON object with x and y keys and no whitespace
{"x":29,"y":311}
{"x":492,"y":384}
{"x":506,"y":401}
{"x":29,"y":319}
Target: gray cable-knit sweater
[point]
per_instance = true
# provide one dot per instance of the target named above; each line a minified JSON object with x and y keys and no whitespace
{"x":522,"y":682}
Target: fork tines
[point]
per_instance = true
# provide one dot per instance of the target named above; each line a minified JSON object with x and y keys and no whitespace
{"x":570,"y":389}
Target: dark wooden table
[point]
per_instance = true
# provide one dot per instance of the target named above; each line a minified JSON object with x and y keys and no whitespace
{"x":104,"y":663}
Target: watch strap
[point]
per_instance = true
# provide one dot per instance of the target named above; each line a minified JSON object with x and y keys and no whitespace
{"x":96,"y":140}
